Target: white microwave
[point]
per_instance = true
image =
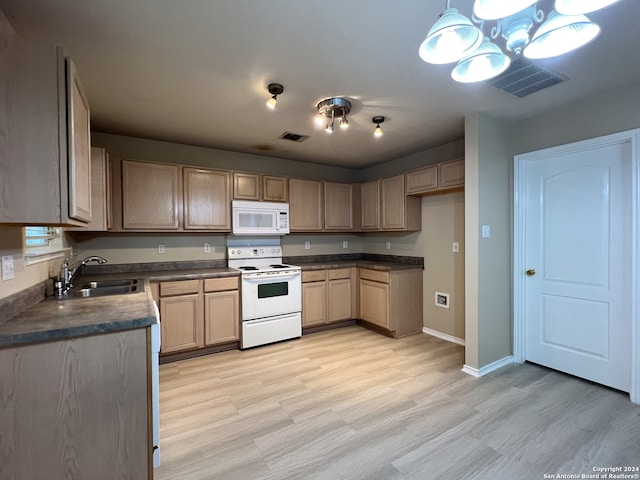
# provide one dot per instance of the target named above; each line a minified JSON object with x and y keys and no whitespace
{"x":259,"y":218}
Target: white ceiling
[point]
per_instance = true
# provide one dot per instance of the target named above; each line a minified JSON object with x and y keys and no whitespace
{"x":196,"y":71}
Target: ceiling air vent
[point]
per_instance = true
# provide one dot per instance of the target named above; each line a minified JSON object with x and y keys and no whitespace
{"x":294,"y":137}
{"x":523,"y":78}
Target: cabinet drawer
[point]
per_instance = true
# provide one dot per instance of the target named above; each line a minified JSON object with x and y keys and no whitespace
{"x":181,"y":287}
{"x":339,"y":273}
{"x":375,"y":275}
{"x":314,"y":276}
{"x":220,"y":284}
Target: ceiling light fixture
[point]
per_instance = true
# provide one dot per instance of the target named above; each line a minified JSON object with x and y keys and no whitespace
{"x":330,"y":109}
{"x":378,"y":119}
{"x":455,"y":38}
{"x":275,"y":89}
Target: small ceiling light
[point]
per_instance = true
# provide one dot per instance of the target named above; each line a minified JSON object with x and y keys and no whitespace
{"x":561,"y":34}
{"x":378,"y":119}
{"x":486,"y":62}
{"x":495,"y":9}
{"x":330,"y":109}
{"x":275,"y":89}
{"x":578,"y":7}
{"x":452,"y":37}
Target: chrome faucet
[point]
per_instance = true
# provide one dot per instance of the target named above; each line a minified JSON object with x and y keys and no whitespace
{"x":68,"y":272}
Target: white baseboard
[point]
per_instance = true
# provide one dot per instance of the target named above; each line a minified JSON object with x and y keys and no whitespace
{"x":474,"y":372}
{"x":443,"y":336}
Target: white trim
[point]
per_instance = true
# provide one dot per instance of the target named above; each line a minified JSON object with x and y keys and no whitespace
{"x":474,"y":372}
{"x":519,"y":339}
{"x":443,"y":336}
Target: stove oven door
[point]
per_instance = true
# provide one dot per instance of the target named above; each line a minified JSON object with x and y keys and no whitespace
{"x":270,"y":295}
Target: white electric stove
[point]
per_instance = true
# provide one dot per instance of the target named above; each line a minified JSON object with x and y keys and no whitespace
{"x":271,"y":292}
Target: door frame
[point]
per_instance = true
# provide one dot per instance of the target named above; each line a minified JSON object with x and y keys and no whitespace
{"x":519,"y":266}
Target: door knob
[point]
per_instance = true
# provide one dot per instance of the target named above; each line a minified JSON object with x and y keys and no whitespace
{"x":531,"y":272}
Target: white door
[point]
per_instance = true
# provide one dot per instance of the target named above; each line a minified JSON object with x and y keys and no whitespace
{"x":576,"y":235}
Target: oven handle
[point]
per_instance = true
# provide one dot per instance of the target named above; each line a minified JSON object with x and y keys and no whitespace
{"x":257,"y":278}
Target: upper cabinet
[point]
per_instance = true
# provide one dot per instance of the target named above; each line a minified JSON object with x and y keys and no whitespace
{"x":436,"y":178}
{"x":79,"y":147}
{"x":338,"y":206}
{"x":39,"y":185}
{"x":384,"y":206}
{"x":370,"y":205}
{"x":206,"y":199}
{"x":305,"y":208}
{"x":100,"y":193}
{"x":150,"y":196}
{"x":254,"y":186}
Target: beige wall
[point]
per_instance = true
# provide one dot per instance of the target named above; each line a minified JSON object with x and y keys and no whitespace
{"x":25,"y":276}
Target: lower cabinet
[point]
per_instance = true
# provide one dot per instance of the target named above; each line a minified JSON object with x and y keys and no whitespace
{"x":198,"y":313}
{"x":326,"y":296}
{"x":77,"y":408}
{"x":391,"y":300}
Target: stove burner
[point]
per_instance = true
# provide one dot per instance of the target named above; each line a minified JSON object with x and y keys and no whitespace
{"x":248,"y":268}
{"x":279,"y":266}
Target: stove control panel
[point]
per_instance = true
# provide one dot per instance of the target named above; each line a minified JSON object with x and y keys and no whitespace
{"x":249,"y":252}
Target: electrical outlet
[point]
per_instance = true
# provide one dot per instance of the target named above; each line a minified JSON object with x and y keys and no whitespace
{"x":161,"y":248}
{"x":455,"y":247}
{"x":207,"y":247}
{"x":387,"y":245}
{"x":345,"y":244}
{"x":307,"y":245}
{"x":486,"y":231}
{"x":7,"y":268}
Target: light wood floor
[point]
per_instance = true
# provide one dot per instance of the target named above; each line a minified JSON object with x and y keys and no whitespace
{"x":353,"y":404}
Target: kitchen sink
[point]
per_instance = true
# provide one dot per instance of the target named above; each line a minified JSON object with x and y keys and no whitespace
{"x":102,"y":288}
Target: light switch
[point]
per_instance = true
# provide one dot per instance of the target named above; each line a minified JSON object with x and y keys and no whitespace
{"x":345,"y":244}
{"x":486,"y":231}
{"x":7,"y":268}
{"x":455,"y":247}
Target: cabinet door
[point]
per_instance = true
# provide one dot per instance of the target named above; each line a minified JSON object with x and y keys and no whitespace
{"x":370,"y":205}
{"x":275,"y":189}
{"x":207,"y":202}
{"x":150,"y":196}
{"x":221,"y":317}
{"x":181,"y":323}
{"x":338,"y":206}
{"x":305,"y":205}
{"x":99,"y":196}
{"x":423,"y":180}
{"x":339,"y":299}
{"x":32,"y":85}
{"x":79,"y":145}
{"x":246,"y":186}
{"x":451,"y":174}
{"x":314,"y":301}
{"x":393,"y":203}
{"x":374,"y":303}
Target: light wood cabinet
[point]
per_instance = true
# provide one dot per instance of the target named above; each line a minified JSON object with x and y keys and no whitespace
{"x":254,"y":186}
{"x":150,"y":196}
{"x":370,"y":205}
{"x":207,"y":199}
{"x":221,"y":311}
{"x":397,"y":210}
{"x":79,"y":147}
{"x":39,"y":186}
{"x":391,"y":300}
{"x":198,"y":313}
{"x":77,"y":408}
{"x":436,"y":178}
{"x":326,"y":296}
{"x":305,"y":205}
{"x":100,"y":193}
{"x":338,"y":206}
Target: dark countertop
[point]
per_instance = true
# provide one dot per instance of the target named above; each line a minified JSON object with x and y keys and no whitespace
{"x":54,"y":319}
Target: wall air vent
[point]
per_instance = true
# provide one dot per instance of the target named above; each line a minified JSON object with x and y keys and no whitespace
{"x":294,"y":137}
{"x":523,"y":78}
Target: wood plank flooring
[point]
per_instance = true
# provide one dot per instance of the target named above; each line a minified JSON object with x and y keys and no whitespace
{"x":353,"y":404}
